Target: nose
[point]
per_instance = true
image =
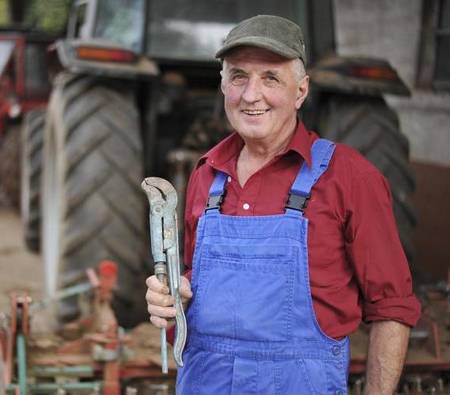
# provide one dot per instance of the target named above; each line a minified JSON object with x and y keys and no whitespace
{"x":252,"y":91}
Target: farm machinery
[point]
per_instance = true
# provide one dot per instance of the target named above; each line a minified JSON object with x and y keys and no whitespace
{"x":91,"y":355}
{"x":94,"y":355}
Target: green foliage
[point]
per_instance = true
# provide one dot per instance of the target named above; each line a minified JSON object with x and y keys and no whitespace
{"x":4,"y":13}
{"x":48,"y":15}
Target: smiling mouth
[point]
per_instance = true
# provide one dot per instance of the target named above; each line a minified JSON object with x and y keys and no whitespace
{"x":255,"y":112}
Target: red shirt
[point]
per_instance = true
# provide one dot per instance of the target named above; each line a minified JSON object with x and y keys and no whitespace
{"x":357,"y":266}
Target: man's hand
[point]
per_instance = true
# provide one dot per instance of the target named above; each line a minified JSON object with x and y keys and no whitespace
{"x":388,"y":344}
{"x":160,"y":304}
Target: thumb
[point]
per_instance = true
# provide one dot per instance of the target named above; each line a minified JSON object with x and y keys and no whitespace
{"x":185,"y":291}
{"x":185,"y":288}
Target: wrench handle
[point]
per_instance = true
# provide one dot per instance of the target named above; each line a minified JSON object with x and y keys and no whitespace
{"x":164,"y":360}
{"x":161,"y":275}
{"x":181,"y":331}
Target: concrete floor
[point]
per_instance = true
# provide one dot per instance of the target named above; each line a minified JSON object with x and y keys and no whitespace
{"x":19,"y":269}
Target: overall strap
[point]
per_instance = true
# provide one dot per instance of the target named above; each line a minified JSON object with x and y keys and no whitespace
{"x":217,"y":191}
{"x":321,"y":153}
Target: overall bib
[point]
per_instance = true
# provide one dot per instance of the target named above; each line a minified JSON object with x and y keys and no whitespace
{"x":251,"y":324}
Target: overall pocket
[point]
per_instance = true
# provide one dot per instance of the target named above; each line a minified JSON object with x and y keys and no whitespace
{"x":312,"y":376}
{"x":246,"y":292}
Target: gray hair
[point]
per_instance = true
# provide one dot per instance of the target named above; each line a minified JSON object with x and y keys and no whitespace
{"x":299,"y":69}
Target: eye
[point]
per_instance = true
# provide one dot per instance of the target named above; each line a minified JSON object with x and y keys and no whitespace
{"x":271,"y":81}
{"x":237,"y":79}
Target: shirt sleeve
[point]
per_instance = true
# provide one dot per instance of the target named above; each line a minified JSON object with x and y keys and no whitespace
{"x":374,"y":249}
{"x":190,"y":225}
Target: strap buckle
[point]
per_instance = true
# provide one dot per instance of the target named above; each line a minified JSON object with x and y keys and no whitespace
{"x":297,"y":202}
{"x":214,"y":201}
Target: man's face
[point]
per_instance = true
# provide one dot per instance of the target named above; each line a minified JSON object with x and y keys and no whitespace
{"x":263,"y":92}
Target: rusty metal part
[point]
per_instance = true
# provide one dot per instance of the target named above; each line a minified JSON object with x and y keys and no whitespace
{"x":162,"y":198}
{"x":97,"y":360}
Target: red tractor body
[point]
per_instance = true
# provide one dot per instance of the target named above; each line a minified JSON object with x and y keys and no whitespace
{"x":25,"y":62}
{"x":24,"y":79}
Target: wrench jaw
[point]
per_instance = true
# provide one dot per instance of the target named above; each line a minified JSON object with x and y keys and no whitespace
{"x":162,"y":198}
{"x":165,"y":188}
{"x":157,"y":203}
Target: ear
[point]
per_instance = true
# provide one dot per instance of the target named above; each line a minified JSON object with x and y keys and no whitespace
{"x":222,"y":84}
{"x":222,"y":81}
{"x":303,"y":90}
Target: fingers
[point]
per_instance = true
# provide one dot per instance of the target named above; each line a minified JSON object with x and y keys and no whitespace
{"x":156,"y":286}
{"x":158,"y":321}
{"x":160,"y":304}
{"x":185,"y":292}
{"x":162,"y":312}
{"x":158,"y":299}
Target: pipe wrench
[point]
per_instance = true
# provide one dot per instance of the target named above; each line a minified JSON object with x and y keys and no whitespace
{"x":162,"y":198}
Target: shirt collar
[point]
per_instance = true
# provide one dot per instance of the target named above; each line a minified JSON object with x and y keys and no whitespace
{"x":229,"y":148}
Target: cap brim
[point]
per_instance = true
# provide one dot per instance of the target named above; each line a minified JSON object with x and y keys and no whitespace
{"x":260,"y":42}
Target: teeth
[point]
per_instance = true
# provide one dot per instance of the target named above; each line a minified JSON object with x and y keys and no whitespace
{"x":255,"y":112}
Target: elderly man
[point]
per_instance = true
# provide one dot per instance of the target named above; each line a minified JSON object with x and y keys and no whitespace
{"x":291,"y":240}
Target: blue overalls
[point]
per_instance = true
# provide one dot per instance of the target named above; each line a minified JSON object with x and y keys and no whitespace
{"x":251,"y":323}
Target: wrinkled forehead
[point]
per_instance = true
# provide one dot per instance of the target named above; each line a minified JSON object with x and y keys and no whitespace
{"x":252,"y":57}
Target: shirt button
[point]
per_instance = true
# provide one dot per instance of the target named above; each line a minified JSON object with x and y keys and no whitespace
{"x":229,"y":179}
{"x":245,"y":206}
{"x":339,"y":392}
{"x":336,"y":350}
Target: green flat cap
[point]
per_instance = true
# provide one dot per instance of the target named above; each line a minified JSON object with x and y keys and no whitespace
{"x":274,"y":33}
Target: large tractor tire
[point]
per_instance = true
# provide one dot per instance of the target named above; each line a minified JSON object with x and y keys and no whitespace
{"x":32,"y":143}
{"x":370,"y":126}
{"x":93,"y":207}
{"x":10,"y":166}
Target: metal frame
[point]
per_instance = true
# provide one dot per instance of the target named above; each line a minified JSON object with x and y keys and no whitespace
{"x":90,"y":17}
{"x":66,"y":48}
{"x":426,"y":70}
